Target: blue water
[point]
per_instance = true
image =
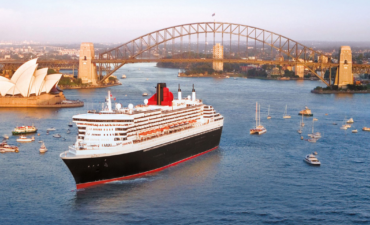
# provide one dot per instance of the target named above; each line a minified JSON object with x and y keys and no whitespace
{"x":248,"y":180}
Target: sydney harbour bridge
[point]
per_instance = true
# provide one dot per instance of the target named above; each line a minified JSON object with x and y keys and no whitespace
{"x":193,"y":43}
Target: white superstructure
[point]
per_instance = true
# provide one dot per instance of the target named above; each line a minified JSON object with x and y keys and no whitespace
{"x":118,"y":130}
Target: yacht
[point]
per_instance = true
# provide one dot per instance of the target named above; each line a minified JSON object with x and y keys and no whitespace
{"x":43,"y":149}
{"x":51,"y":129}
{"x":268,"y":116}
{"x":57,"y":136}
{"x":350,"y":120}
{"x":312,"y":160}
{"x":25,"y":139}
{"x":366,"y":129}
{"x":345,"y":126}
{"x":4,"y":147}
{"x":305,"y":112}
{"x":259,"y":129}
{"x":286,"y":116}
{"x":314,"y":135}
{"x":70,"y":124}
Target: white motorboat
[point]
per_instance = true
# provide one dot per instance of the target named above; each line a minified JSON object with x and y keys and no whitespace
{"x":145,"y":94}
{"x":366,"y":128}
{"x":345,"y":126}
{"x":43,"y":149}
{"x":4,"y":147}
{"x":51,"y":129}
{"x":123,"y":76}
{"x":315,"y":119}
{"x":354,"y":131}
{"x":25,"y":139}
{"x":57,"y":136}
{"x":68,"y":131}
{"x":312,"y":160}
{"x":286,"y":116}
{"x":5,"y":136}
{"x":259,"y":129}
{"x":312,"y":140}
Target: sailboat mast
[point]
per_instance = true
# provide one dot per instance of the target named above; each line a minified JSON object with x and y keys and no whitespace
{"x":313,"y":121}
{"x":259,"y":116}
{"x":256,"y":114}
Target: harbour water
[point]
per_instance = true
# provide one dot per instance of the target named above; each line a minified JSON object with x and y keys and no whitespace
{"x":248,"y":180}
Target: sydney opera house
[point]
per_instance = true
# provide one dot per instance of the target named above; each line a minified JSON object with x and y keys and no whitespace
{"x":32,"y":87}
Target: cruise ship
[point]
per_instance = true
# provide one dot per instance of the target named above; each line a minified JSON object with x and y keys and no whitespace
{"x":123,"y":143}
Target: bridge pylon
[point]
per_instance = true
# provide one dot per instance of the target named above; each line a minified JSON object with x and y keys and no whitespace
{"x":345,"y":76}
{"x":87,"y":69}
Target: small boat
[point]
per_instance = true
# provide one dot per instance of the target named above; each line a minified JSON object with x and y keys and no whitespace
{"x":40,"y":141}
{"x":24,"y":130}
{"x":259,"y":129}
{"x":366,"y":129}
{"x":57,"y":136}
{"x":326,"y":114}
{"x":350,"y":120}
{"x":70,"y":124}
{"x":312,"y":160}
{"x":302,"y":124}
{"x":312,"y":140}
{"x":345,"y":126}
{"x":315,"y":153}
{"x":299,"y":131}
{"x":354,"y":131}
{"x":268,"y":116}
{"x":68,"y":131}
{"x":43,"y":149}
{"x":5,"y":136}
{"x":25,"y":139}
{"x":123,"y":76}
{"x":145,"y":94}
{"x":334,"y":123}
{"x":286,"y":116}
{"x":305,"y":112}
{"x":314,"y":135}
{"x":47,"y":132}
{"x":38,"y":134}
{"x":4,"y":147}
{"x":315,"y":119}
{"x":51,"y":129}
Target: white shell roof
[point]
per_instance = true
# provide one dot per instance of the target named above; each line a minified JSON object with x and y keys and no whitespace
{"x":38,"y":81}
{"x":5,"y":85}
{"x":26,"y":80}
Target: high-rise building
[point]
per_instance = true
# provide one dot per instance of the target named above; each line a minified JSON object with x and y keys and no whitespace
{"x":218,"y":53}
{"x":344,"y":76}
{"x":87,"y":69}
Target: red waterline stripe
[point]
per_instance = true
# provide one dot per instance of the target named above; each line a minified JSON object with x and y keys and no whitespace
{"x":85,"y":185}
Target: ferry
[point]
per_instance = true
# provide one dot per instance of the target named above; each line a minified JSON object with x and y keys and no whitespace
{"x":4,"y":147}
{"x":305,"y":112}
{"x":24,"y":130}
{"x":123,"y":143}
{"x":259,"y":129}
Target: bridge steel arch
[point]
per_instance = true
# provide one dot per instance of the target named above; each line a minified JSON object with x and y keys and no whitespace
{"x":111,"y":60}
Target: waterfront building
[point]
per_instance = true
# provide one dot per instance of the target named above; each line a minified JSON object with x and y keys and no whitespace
{"x":32,"y":87}
{"x":218,"y":53}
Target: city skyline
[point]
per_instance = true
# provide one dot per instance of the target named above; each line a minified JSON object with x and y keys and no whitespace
{"x":64,"y":22}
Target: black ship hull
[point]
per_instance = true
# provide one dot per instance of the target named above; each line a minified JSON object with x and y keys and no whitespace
{"x":91,"y":171}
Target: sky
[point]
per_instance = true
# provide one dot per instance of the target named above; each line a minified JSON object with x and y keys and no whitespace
{"x":117,"y":21}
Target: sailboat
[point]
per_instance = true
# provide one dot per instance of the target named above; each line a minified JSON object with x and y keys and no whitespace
{"x":268,"y":116}
{"x":286,"y":116}
{"x":302,"y":124}
{"x":316,"y":135}
{"x":259,"y":129}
